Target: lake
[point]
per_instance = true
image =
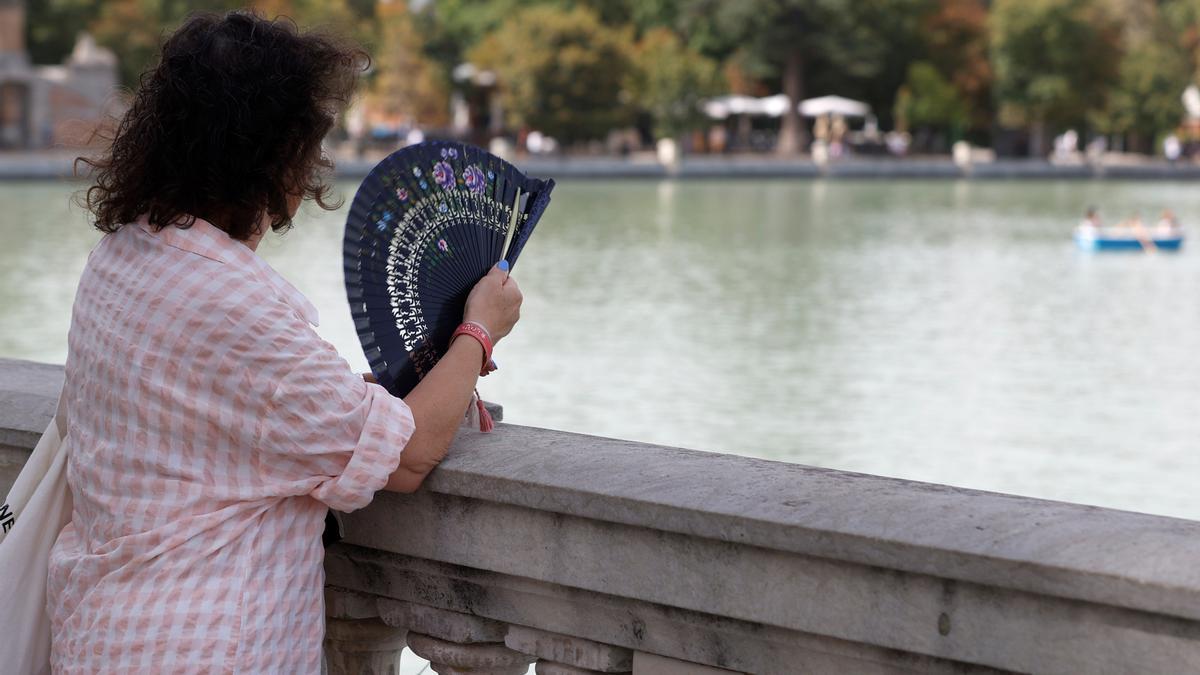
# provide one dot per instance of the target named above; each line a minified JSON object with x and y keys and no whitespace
{"x":943,"y":331}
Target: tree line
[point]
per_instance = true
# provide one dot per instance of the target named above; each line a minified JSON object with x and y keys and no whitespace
{"x":575,"y":69}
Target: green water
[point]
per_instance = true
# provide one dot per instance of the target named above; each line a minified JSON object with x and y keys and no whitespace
{"x":938,"y":331}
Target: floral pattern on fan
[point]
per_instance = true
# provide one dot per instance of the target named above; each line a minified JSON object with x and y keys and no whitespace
{"x":384,"y":222}
{"x":473,"y":179}
{"x":443,"y":175}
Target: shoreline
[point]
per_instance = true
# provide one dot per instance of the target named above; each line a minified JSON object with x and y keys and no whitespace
{"x":58,"y":166}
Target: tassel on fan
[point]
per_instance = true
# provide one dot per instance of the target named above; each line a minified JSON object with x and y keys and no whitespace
{"x":426,"y":224}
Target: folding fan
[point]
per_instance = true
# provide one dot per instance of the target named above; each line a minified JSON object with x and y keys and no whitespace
{"x":426,"y":224}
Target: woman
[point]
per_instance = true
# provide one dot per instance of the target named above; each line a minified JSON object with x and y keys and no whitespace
{"x":210,"y":427}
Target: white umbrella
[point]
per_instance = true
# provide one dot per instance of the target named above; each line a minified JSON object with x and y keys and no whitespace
{"x":774,"y":106}
{"x":833,"y":105}
{"x":1191,"y":101}
{"x":734,"y":104}
{"x":737,"y":104}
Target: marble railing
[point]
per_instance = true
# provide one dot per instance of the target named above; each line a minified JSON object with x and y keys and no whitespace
{"x":588,"y":555}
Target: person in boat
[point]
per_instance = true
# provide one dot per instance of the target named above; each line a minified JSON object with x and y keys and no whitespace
{"x":1091,"y":218}
{"x":1167,"y":224}
{"x":1133,"y":222}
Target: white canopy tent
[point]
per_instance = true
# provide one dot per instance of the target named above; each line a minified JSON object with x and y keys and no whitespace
{"x":834,"y":105}
{"x":775,"y":106}
{"x":735,"y":104}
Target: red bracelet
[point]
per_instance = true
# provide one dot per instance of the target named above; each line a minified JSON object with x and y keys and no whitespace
{"x":477,"y":331}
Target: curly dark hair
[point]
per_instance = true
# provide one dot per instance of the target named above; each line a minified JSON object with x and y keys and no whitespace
{"x":227,"y":127}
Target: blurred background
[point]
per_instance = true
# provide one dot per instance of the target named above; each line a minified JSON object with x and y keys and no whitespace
{"x":944,"y":330}
{"x":1014,"y":77}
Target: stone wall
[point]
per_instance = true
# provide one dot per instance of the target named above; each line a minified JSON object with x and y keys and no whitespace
{"x":595,"y":555}
{"x":28,"y":395}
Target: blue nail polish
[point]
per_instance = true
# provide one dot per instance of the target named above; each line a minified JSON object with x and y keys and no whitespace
{"x":503,"y":265}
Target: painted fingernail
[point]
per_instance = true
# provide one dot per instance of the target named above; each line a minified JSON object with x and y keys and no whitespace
{"x":503,"y":265}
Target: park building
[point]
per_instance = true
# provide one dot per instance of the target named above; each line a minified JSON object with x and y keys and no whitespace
{"x":47,"y":106}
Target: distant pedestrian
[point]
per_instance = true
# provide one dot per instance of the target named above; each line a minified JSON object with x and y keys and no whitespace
{"x":1172,"y":148}
{"x":1167,"y":223}
{"x":897,"y":142}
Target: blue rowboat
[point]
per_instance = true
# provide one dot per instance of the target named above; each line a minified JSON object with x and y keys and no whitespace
{"x":1125,"y":239}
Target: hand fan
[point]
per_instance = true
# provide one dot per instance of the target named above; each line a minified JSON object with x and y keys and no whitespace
{"x":426,"y":224}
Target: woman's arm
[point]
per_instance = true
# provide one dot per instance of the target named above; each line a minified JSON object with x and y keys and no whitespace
{"x":438,"y":404}
{"x":440,"y":399}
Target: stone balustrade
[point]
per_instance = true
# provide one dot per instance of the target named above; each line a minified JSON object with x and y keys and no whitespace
{"x":591,"y":555}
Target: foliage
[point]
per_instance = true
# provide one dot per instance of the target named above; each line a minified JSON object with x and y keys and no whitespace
{"x":560,"y":71}
{"x":452,"y":28}
{"x":956,"y":43}
{"x":579,"y":67}
{"x":670,"y":82}
{"x":1153,"y":74}
{"x":847,"y":47}
{"x":1054,"y":60}
{"x":929,"y":100}
{"x":134,"y":29}
{"x":52,"y":26}
{"x":407,"y":83}
{"x":1181,"y":18}
{"x":894,"y":31}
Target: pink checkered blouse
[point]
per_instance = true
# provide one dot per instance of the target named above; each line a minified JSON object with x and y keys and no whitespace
{"x":210,"y":428}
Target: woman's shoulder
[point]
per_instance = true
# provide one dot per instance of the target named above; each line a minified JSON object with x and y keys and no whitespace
{"x":174,"y":276}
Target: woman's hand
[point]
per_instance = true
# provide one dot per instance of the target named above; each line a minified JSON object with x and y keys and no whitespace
{"x":441,"y":397}
{"x":495,"y":302}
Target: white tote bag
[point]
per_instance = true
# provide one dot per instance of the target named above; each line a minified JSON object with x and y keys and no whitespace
{"x":37,"y":508}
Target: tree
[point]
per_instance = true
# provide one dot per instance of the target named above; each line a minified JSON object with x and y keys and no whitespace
{"x":669,"y":81}
{"x":777,"y":38}
{"x":1183,"y":16}
{"x":956,"y":43}
{"x":134,"y":29}
{"x":560,"y":72}
{"x":842,"y":46}
{"x":407,"y":84}
{"x":52,"y":26}
{"x":929,"y":101}
{"x":1054,"y":61}
{"x":453,"y":28}
{"x":1157,"y":67}
{"x":349,"y":18}
{"x":1146,"y":101}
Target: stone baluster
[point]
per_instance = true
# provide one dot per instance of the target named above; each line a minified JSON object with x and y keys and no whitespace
{"x":458,"y":658}
{"x":362,"y":647}
{"x":565,"y":655}
{"x":455,"y":643}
